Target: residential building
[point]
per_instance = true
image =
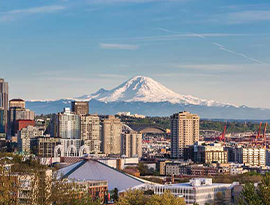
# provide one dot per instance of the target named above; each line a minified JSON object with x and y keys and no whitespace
{"x":67,"y":125}
{"x":90,"y":132}
{"x":45,"y":146}
{"x":4,"y":100}
{"x":184,"y":132}
{"x":98,"y":190}
{"x":131,"y":144}
{"x":201,"y":152}
{"x":251,"y":156}
{"x":176,"y":168}
{"x":25,"y":136}
{"x":80,"y":107}
{"x":111,"y":135}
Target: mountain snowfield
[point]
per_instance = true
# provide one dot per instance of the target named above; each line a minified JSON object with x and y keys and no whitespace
{"x":145,"y":96}
{"x":145,"y":89}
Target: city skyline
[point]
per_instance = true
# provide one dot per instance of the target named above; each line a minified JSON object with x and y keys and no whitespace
{"x":60,"y":49}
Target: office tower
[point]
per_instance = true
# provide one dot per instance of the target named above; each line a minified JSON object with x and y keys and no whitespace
{"x":184,"y":131}
{"x":25,"y":136}
{"x":111,"y":130}
{"x":90,"y":132}
{"x":18,"y":113}
{"x":2,"y":127}
{"x":80,"y":108}
{"x":67,"y":125}
{"x":131,"y":144}
{"x":4,"y":100}
{"x":18,"y":103}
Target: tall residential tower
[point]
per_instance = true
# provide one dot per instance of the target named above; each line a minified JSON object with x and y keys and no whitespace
{"x":184,"y":131}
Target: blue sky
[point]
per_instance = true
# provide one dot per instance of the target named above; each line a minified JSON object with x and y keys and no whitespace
{"x":210,"y":49}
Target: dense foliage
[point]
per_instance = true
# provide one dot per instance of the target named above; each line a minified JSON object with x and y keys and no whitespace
{"x":137,"y":197}
{"x":256,"y":195}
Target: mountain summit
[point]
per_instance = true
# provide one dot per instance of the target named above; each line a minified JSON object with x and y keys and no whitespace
{"x":146,"y":96}
{"x":145,"y":89}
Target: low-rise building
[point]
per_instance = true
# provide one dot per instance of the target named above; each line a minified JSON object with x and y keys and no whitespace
{"x":251,"y":156}
{"x":201,"y":152}
{"x":198,"y":190}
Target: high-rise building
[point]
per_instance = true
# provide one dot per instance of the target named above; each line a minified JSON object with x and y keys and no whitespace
{"x":80,"y":107}
{"x":90,"y":132}
{"x":2,"y":126}
{"x":111,"y":135}
{"x":24,"y":138}
{"x":131,"y":144}
{"x":184,"y":131}
{"x":66,"y":125}
{"x":18,"y":103}
{"x":4,"y":100}
{"x":17,"y":112}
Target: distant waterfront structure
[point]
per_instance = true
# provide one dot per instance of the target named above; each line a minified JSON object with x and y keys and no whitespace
{"x":184,"y":131}
{"x":111,"y":135}
{"x":90,"y":132}
{"x":80,"y":107}
{"x":4,"y":100}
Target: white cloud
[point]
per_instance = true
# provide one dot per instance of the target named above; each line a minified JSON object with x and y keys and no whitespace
{"x":118,"y":46}
{"x":13,"y":14}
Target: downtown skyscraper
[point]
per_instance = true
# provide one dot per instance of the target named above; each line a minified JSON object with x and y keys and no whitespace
{"x":4,"y":101}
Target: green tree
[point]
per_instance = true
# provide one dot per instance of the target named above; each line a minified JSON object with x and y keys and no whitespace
{"x":115,"y":195}
{"x":137,"y":197}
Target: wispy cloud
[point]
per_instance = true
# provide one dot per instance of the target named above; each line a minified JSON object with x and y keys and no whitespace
{"x":118,"y":46}
{"x":13,"y":14}
{"x":220,"y":46}
{"x":248,"y":16}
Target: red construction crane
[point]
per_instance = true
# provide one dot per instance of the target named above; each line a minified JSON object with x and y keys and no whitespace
{"x":222,"y":137}
{"x":259,"y":133}
{"x":264,"y":135}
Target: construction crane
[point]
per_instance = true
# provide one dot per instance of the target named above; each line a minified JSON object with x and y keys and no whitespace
{"x":222,"y":137}
{"x":264,"y":135}
{"x":259,"y":133}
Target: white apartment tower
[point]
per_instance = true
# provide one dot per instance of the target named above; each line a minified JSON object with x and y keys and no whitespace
{"x":69,"y":125}
{"x":184,"y":131}
{"x":131,"y":144}
{"x":90,"y":132}
{"x":111,"y":135}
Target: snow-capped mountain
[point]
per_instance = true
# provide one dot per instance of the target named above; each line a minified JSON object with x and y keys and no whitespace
{"x":145,"y":89}
{"x":145,"y":96}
